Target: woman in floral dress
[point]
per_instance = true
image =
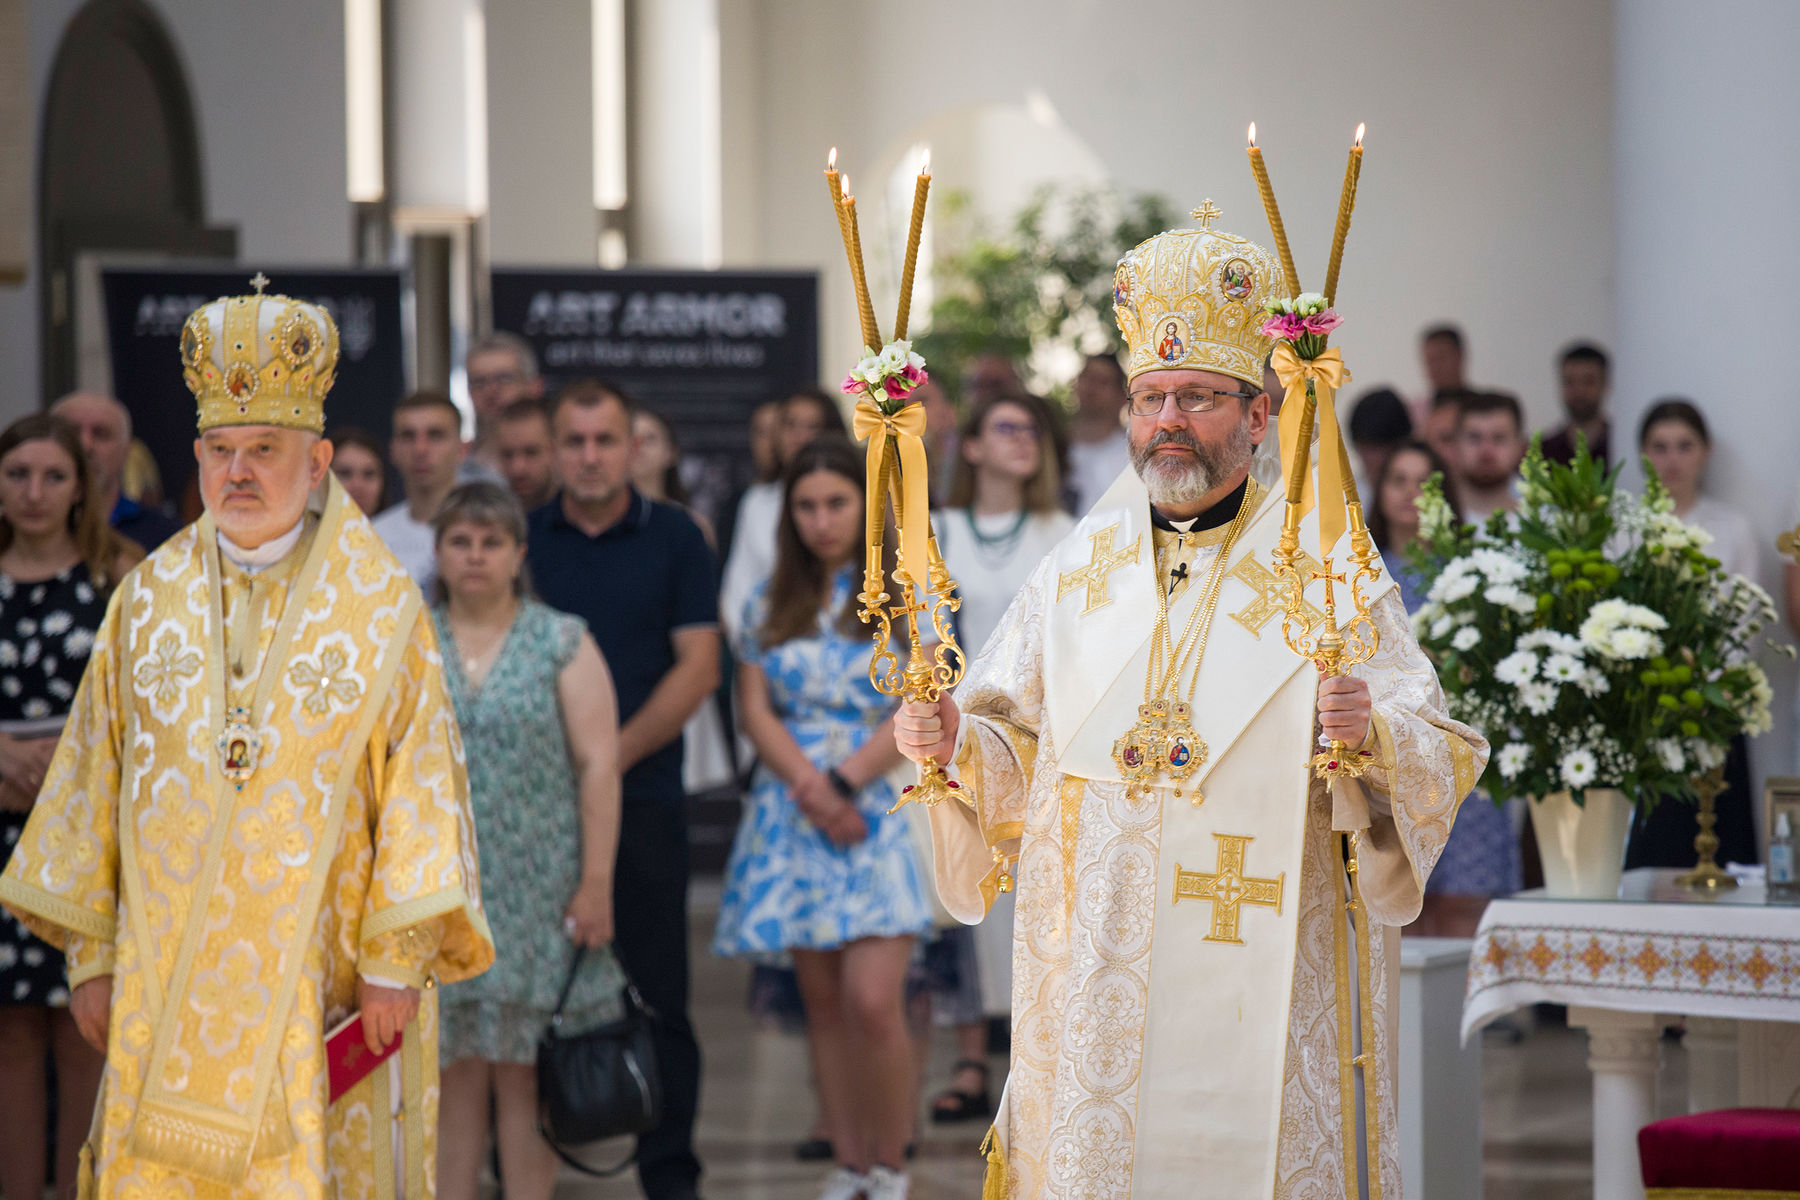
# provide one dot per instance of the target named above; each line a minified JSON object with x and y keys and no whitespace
{"x":820,"y":870}
{"x":59,"y":560}
{"x":540,"y":731}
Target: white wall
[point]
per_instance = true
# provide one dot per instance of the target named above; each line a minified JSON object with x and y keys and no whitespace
{"x":1485,"y":195}
{"x":267,"y":82}
{"x":1707,"y":167}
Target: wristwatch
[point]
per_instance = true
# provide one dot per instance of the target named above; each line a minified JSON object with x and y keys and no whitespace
{"x":839,"y":784}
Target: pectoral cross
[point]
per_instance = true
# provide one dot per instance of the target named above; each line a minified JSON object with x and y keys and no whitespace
{"x":1228,"y":888}
{"x":1105,"y":561}
{"x":1271,"y":594}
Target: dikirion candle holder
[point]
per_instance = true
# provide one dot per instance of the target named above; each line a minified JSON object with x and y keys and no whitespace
{"x":892,"y":424}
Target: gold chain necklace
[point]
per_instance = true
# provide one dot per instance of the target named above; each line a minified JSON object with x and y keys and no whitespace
{"x":1163,"y":742}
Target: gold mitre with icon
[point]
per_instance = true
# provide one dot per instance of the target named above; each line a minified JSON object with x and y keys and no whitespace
{"x":1192,"y":300}
{"x":260,"y":360}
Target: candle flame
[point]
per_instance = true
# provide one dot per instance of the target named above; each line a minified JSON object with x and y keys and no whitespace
{"x":1359,"y":132}
{"x":831,"y":160}
{"x":925,"y":162}
{"x":1253,"y":133}
{"x":844,"y":185}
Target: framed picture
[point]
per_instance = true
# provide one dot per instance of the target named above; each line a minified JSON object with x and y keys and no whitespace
{"x":1782,"y":794}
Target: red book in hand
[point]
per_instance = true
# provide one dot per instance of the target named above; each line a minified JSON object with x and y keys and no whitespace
{"x":347,"y":1056}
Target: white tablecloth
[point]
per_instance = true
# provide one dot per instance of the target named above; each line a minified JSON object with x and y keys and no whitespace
{"x":1657,"y":949}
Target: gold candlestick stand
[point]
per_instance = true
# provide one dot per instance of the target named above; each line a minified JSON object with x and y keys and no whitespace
{"x":897,"y":468}
{"x":1707,"y":875}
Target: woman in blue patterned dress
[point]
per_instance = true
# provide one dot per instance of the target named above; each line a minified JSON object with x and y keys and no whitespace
{"x":819,"y":870}
{"x":540,"y":731}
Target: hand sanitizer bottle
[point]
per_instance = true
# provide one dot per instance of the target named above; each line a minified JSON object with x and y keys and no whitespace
{"x":1782,"y":885}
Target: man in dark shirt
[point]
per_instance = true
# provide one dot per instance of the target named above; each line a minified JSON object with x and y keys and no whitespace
{"x":1582,"y":374}
{"x":641,"y":576}
{"x":105,"y":428}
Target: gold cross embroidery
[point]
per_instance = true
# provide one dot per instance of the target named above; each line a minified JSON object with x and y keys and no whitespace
{"x":1228,"y":888}
{"x":1206,"y":214}
{"x":1105,"y":561}
{"x":1271,"y":596}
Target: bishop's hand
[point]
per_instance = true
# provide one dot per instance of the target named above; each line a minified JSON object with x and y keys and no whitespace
{"x":91,"y":1006}
{"x":926,"y":730}
{"x":1344,"y":709}
{"x":385,"y":1012}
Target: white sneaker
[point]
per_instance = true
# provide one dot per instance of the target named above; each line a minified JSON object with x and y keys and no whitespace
{"x":846,"y":1184}
{"x":884,"y":1183}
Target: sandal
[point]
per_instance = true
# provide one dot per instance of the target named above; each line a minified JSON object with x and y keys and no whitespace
{"x":952,"y":1105}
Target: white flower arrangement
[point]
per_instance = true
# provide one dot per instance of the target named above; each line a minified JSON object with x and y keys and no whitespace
{"x":1590,"y":637}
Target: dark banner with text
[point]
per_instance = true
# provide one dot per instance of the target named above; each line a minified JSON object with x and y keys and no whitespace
{"x":146,"y":308}
{"x":700,"y":348}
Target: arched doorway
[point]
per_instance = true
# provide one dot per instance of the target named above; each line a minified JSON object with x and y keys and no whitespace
{"x":119,"y":164}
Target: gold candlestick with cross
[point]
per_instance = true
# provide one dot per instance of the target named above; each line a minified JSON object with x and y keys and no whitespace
{"x":897,"y":468}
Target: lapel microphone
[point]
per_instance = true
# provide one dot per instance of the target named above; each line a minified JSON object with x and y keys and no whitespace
{"x":1177,"y":577}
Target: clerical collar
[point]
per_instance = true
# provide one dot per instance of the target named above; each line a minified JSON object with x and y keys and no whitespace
{"x":261,"y":557}
{"x":1219,"y":514}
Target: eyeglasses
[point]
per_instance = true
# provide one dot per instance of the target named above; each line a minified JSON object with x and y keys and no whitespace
{"x":1188,"y":400}
{"x":1012,"y":429}
{"x":481,"y":383}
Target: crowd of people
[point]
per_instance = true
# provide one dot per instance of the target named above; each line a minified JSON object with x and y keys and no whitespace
{"x":587,"y":616}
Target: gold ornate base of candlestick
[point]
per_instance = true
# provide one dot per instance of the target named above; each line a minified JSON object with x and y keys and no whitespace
{"x":934,"y":787}
{"x":1707,"y":875}
{"x":1339,"y":761}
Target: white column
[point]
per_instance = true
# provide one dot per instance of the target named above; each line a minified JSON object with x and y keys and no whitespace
{"x":1439,"y":1089}
{"x":1705,"y":170}
{"x":1712,"y":1050}
{"x":438,"y":52}
{"x":677,"y":180}
{"x":540,"y":116}
{"x":1623,"y":1054}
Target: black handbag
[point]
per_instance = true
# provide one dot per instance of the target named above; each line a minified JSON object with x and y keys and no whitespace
{"x":599,"y":1084}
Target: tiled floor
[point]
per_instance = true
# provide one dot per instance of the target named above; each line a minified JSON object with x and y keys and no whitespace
{"x":756,"y":1103}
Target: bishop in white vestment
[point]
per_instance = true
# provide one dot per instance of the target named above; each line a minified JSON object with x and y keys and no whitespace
{"x":1134,"y":745}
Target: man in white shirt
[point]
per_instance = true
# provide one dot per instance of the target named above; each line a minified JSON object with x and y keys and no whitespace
{"x":427,"y":448}
{"x":1097,"y":445}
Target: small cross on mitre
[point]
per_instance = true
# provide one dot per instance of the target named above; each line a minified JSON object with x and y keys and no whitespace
{"x":1206,"y":214}
{"x":259,"y":281}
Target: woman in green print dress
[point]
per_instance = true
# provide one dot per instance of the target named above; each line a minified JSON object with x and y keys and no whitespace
{"x":540,"y":731}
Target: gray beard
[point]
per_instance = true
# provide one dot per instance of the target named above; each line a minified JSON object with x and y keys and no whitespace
{"x":1179,"y":482}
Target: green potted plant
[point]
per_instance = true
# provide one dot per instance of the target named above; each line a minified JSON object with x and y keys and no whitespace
{"x":1590,"y":637}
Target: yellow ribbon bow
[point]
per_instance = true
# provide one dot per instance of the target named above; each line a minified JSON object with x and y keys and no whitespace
{"x":903,"y":431}
{"x":1326,"y":373}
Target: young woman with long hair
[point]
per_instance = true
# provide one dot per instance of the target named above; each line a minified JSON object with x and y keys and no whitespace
{"x":59,"y":561}
{"x":1001,"y":519}
{"x":820,"y":871}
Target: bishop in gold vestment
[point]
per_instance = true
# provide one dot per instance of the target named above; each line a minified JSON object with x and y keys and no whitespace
{"x":1186,"y":1014}
{"x":258,"y":809}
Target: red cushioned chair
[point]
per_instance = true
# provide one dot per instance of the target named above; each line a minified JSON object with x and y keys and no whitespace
{"x":1747,"y":1153}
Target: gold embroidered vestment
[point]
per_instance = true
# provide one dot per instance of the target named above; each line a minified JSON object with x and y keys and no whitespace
{"x":233,"y":919}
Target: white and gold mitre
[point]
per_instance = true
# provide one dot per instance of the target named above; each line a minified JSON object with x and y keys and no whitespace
{"x":1192,"y":300}
{"x":260,"y":360}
